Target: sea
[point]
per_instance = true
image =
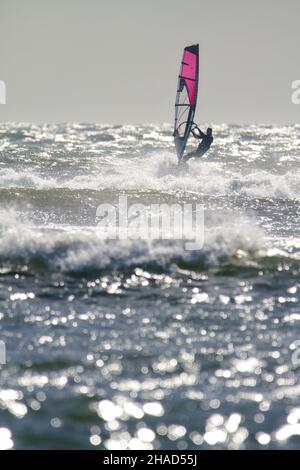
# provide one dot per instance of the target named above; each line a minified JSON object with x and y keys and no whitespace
{"x":140,"y":343}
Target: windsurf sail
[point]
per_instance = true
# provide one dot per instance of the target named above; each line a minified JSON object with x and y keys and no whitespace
{"x":186,"y":97}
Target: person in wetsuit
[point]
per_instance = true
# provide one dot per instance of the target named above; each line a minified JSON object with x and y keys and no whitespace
{"x":204,"y":145}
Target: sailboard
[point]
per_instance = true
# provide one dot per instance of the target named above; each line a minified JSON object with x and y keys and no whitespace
{"x":186,"y":97}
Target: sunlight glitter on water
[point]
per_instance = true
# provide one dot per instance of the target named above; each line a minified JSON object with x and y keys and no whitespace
{"x":137,"y":344}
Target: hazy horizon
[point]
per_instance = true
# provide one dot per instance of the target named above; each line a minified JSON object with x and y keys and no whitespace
{"x":117,"y":63}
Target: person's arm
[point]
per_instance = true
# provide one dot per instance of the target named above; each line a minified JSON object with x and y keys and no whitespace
{"x":199,"y":134}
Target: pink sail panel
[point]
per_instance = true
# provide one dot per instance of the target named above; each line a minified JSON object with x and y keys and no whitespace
{"x":189,"y":72}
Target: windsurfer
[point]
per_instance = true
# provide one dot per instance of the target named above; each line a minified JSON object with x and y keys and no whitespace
{"x":204,"y":145}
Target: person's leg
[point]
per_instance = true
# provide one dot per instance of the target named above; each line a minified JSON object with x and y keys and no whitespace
{"x":189,"y":155}
{"x":200,"y":152}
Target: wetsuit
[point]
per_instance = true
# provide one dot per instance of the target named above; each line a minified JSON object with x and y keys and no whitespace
{"x":203,"y":147}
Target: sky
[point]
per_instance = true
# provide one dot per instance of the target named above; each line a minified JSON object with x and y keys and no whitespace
{"x":117,"y":61}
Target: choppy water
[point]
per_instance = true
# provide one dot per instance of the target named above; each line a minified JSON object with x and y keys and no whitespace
{"x":132,"y":344}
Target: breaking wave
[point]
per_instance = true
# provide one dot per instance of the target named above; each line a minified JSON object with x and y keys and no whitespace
{"x":26,"y":247}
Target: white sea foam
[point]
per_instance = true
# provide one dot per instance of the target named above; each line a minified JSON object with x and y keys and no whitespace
{"x":83,"y":249}
{"x":158,"y":171}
